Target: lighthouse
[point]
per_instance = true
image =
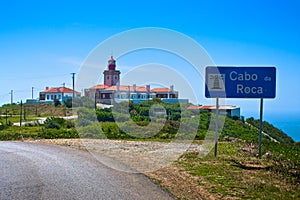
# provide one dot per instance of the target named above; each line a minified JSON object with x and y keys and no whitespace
{"x":111,"y":75}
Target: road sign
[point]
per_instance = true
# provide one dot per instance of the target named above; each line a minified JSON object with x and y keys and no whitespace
{"x":240,"y":82}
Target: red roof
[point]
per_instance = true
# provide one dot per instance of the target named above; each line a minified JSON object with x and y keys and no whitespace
{"x":207,"y":107}
{"x":127,"y":88}
{"x":99,"y":86}
{"x":225,"y":107}
{"x":130,"y":88}
{"x":58,"y":90}
{"x":193,"y":107}
{"x":160,"y":90}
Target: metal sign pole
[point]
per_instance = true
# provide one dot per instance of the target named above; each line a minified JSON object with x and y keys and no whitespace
{"x":260,"y":127}
{"x":216,"y":127}
{"x":21,"y":105}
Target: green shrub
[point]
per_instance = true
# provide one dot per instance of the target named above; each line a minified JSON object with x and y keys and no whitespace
{"x":68,"y":103}
{"x":2,"y":126}
{"x":56,"y":102}
{"x":272,"y":131}
{"x":69,"y":124}
{"x":85,"y":117}
{"x":93,"y":130}
{"x":55,"y":122}
{"x":52,"y":133}
{"x":104,"y":115}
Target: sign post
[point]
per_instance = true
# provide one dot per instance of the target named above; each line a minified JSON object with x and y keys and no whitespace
{"x":260,"y":126}
{"x":240,"y":82}
{"x":217,"y":127}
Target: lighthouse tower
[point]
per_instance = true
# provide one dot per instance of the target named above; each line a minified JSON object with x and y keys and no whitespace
{"x":111,"y":76}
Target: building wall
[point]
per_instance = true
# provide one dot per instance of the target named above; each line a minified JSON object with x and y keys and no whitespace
{"x":61,"y":96}
{"x":105,"y":97}
{"x":52,"y":96}
{"x":90,"y":93}
{"x":111,"y":77}
{"x":235,"y":112}
{"x":161,"y":96}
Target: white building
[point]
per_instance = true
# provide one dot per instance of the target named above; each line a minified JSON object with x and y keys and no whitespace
{"x":232,"y":111}
{"x":59,"y":93}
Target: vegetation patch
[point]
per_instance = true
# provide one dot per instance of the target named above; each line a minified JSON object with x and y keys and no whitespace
{"x":235,"y":174}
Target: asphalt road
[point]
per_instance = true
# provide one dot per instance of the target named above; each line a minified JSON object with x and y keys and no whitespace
{"x":39,"y":171}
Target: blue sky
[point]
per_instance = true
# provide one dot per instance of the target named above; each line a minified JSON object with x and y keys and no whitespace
{"x":42,"y":42}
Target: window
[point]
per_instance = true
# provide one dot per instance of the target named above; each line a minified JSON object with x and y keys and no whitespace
{"x":59,"y":96}
{"x":48,"y":97}
{"x":51,"y":97}
{"x":107,"y":77}
{"x":103,"y":96}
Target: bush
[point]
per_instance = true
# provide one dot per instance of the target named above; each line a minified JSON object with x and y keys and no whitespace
{"x":2,"y":126}
{"x":91,"y":131}
{"x":55,"y":133}
{"x":85,"y":117}
{"x":104,"y":115}
{"x":112,"y":131}
{"x":54,"y":122}
{"x":69,"y":124}
{"x":68,"y":103}
{"x":272,"y":131}
{"x":56,"y":102}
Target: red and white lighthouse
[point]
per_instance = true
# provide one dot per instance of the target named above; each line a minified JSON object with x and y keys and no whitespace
{"x":111,"y":76}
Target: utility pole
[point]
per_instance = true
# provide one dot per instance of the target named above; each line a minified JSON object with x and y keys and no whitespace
{"x":95,"y":99}
{"x":32,"y":92}
{"x":73,"y":84}
{"x":11,"y":97}
{"x":21,"y":113}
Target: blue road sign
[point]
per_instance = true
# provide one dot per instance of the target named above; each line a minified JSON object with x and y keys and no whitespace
{"x":240,"y":82}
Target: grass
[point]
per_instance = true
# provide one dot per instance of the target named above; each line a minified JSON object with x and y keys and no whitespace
{"x":35,"y":132}
{"x":15,"y":119}
{"x":238,"y":175}
{"x":17,"y":133}
{"x":41,"y":109}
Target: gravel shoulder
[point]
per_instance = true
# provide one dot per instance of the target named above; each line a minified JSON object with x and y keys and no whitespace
{"x":149,"y":158}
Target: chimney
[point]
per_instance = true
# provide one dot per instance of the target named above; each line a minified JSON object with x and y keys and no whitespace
{"x":148,"y":88}
{"x":171,"y":88}
{"x":47,"y":88}
{"x":134,"y":87}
